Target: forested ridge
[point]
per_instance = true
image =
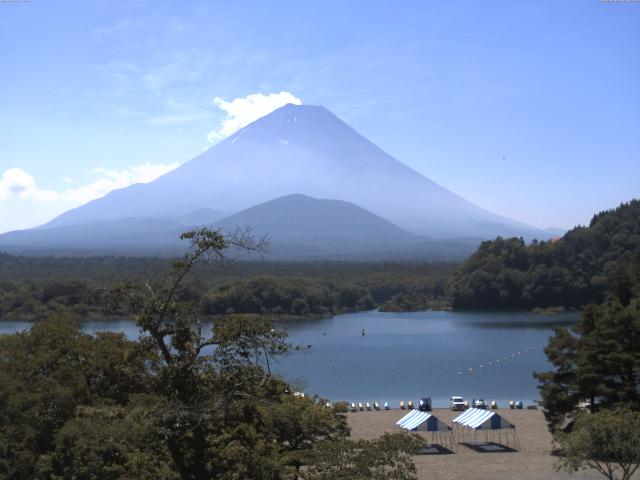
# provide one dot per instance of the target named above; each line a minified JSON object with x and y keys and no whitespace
{"x":502,"y":274}
{"x":570,"y":272}
{"x":591,"y":396}
{"x":33,"y":287}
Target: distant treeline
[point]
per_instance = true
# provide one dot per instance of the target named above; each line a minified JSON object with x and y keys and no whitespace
{"x":572,"y":271}
{"x":38,"y":299}
{"x":502,"y":274}
{"x":34,"y":287}
{"x":286,"y":296}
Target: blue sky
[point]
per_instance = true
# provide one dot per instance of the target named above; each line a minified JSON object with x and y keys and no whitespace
{"x":529,"y":109}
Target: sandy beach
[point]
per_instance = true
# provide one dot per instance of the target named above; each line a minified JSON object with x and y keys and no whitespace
{"x":533,"y":461}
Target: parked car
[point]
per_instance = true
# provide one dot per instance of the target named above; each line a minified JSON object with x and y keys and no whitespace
{"x":479,"y":403}
{"x":456,"y":403}
{"x":425,"y":404}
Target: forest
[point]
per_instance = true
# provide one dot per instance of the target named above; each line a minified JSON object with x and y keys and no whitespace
{"x":177,"y":403}
{"x":33,"y":287}
{"x":591,"y":396}
{"x":569,"y":272}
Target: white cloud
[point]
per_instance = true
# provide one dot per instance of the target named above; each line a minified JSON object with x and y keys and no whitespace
{"x":16,"y":182}
{"x":29,"y":205}
{"x":244,"y":110}
{"x":109,"y":180}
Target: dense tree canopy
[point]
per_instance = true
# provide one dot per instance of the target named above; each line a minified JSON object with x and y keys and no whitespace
{"x":180,"y":402}
{"x":386,"y":457}
{"x":570,"y":272}
{"x":30,"y":288}
{"x":54,"y":381}
{"x":607,"y":441}
{"x":288,"y":296}
{"x":596,"y":380}
{"x":598,"y":359}
{"x":80,"y":406}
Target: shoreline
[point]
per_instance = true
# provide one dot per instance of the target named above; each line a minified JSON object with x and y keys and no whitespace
{"x":540,"y":312}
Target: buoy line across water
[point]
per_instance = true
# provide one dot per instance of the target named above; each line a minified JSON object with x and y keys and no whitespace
{"x":502,"y":360}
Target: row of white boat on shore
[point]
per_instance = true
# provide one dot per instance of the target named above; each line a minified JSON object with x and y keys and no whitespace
{"x":410,"y":405}
{"x":455,"y":403}
{"x":368,"y":406}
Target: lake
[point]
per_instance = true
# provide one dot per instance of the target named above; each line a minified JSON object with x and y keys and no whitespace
{"x":404,"y":356}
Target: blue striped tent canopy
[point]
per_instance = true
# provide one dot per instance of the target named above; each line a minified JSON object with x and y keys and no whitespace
{"x":416,"y":420}
{"x":479,"y":419}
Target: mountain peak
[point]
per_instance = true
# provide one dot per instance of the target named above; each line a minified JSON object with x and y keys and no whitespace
{"x":289,"y":116}
{"x":294,"y":108}
{"x":302,"y":149}
{"x":312,"y":226}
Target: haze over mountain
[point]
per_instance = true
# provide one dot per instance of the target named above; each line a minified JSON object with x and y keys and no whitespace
{"x":301,"y":226}
{"x":295,"y":226}
{"x":294,"y":150}
{"x":128,"y":235}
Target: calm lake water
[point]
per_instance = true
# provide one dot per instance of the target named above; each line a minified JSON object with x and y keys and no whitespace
{"x":404,"y":356}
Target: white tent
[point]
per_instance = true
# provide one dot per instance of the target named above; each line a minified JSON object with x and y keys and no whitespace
{"x":417,"y":421}
{"x":496,"y":429}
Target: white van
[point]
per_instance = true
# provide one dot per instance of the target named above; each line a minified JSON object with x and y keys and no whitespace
{"x":456,"y":403}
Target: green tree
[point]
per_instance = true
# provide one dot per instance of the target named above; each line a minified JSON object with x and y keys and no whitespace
{"x":50,"y":373}
{"x":571,"y":271}
{"x":220,"y":408}
{"x":180,"y":402}
{"x":598,"y":361}
{"x":558,"y":388}
{"x":109,"y":443}
{"x":607,"y":441}
{"x":300,"y":423}
{"x":388,"y":457}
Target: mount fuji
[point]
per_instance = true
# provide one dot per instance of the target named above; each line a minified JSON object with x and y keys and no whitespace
{"x":295,"y":150}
